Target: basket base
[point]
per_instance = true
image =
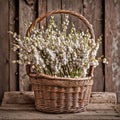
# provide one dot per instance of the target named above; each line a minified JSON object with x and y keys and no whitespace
{"x":62,"y":110}
{"x":61,"y":96}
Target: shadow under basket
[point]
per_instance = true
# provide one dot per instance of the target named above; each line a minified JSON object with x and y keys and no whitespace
{"x":56,"y":94}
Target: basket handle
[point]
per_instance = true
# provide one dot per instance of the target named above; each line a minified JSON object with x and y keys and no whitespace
{"x":79,"y":16}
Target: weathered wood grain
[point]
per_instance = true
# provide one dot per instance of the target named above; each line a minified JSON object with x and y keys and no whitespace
{"x":27,"y":112}
{"x":28,"y":98}
{"x":27,"y":14}
{"x":54,"y":5}
{"x":118,"y":96}
{"x":104,"y":15}
{"x":42,"y":9}
{"x":16,"y":97}
{"x":21,"y":105}
{"x":117,"y":108}
{"x":76,"y":6}
{"x":103,"y":107}
{"x":13,"y":23}
{"x":103,"y":97}
{"x":4,"y":48}
{"x":116,"y":45}
{"x":110,"y":17}
{"x":93,"y":11}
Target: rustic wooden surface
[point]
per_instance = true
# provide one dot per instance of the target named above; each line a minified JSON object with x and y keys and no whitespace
{"x":42,"y":5}
{"x":109,"y":31}
{"x":116,"y":45}
{"x":93,"y":11}
{"x":52,"y":5}
{"x":25,"y":112}
{"x":118,"y":97}
{"x":17,"y":97}
{"x":13,"y":26}
{"x":77,"y":6}
{"x":27,"y":14}
{"x":20,"y":105}
{"x":98,"y":12}
{"x":4,"y":48}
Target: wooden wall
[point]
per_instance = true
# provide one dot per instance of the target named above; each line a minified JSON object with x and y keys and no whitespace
{"x":103,"y":14}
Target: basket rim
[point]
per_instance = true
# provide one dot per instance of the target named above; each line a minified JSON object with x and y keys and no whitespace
{"x":44,"y":76}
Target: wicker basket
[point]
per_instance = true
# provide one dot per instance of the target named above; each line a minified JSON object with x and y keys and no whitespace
{"x":56,"y":94}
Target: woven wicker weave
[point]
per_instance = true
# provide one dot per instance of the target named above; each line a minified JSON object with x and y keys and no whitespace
{"x":56,"y":94}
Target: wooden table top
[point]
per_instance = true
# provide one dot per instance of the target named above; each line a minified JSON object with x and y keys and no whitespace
{"x":16,"y":106}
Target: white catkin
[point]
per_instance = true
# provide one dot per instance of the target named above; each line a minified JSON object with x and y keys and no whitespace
{"x":56,"y":52}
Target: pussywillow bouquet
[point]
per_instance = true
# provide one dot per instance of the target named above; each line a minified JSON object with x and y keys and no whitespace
{"x":54,"y":51}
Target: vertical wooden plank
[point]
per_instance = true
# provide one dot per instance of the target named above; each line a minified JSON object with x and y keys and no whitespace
{"x":27,"y":14}
{"x":54,"y":5}
{"x":116,"y":47}
{"x":77,"y":6}
{"x":4,"y":48}
{"x":13,"y":19}
{"x":93,"y":11}
{"x":42,"y":7}
{"x":110,"y":23}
